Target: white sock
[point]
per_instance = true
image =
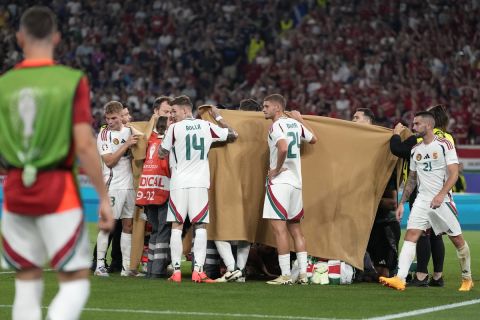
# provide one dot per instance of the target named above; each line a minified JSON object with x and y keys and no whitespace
{"x":70,"y":300}
{"x":302,"y":261}
{"x":463,"y":255}
{"x":405,"y":259}
{"x":200,"y":249}
{"x":243,"y":249}
{"x":284,"y":262}
{"x":126,"y":247}
{"x":176,"y":248}
{"x":102,"y":246}
{"x":28,"y":299}
{"x":224,"y":249}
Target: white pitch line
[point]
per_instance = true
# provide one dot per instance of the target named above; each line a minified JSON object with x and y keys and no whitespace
{"x":268,"y":316}
{"x":426,"y":310}
{"x":197,"y":314}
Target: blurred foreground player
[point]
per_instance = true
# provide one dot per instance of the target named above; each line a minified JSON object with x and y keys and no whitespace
{"x":44,"y":123}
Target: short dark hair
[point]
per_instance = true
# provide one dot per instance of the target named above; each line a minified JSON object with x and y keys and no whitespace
{"x":425,"y":114}
{"x":428,"y":116}
{"x":39,"y":22}
{"x":158,"y":101}
{"x":368,"y":113}
{"x":249,"y":105}
{"x":277,"y":98}
{"x":182,"y":100}
{"x":440,"y":115}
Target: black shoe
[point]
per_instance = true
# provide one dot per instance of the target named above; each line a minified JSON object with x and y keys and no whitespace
{"x":114,"y":269}
{"x":418,"y":283}
{"x":93,"y":267}
{"x":436,"y":283}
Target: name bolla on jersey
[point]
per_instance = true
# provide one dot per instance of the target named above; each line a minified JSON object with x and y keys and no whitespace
{"x":120,"y":176}
{"x":294,"y":133}
{"x":430,"y":161}
{"x":188,"y":142}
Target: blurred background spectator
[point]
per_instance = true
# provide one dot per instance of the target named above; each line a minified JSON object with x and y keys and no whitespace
{"x":327,"y":57}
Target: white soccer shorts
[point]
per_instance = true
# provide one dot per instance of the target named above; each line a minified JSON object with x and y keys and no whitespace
{"x":283,"y":202}
{"x":123,"y":203}
{"x":442,"y":220}
{"x":59,"y":238}
{"x":191,"y":201}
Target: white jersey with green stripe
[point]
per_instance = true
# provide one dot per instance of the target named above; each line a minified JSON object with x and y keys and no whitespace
{"x":430,"y":161}
{"x":188,"y":142}
{"x":294,"y":133}
{"x":119,"y":177}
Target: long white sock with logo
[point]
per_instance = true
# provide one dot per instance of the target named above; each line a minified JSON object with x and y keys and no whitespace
{"x":463,"y":255}
{"x":176,"y":248}
{"x":224,"y":249}
{"x":243,"y":249}
{"x":200,"y":249}
{"x":284,"y":262}
{"x":126,"y":247}
{"x":405,"y":259}
{"x":302,"y":261}
{"x":28,"y":299}
{"x":102,"y":246}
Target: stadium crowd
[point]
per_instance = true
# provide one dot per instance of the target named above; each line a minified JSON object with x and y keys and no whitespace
{"x":327,"y":57}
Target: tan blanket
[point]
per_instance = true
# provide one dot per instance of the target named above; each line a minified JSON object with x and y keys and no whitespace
{"x":344,"y":176}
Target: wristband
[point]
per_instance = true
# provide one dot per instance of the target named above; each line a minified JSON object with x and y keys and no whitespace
{"x":218,"y":118}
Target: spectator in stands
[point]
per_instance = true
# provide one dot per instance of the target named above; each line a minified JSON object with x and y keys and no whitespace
{"x":387,"y":56}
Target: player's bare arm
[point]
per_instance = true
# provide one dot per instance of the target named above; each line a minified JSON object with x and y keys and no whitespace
{"x":232,"y":134}
{"x":409,"y":186}
{"x":407,"y":191}
{"x":447,"y":186}
{"x":86,"y":151}
{"x":297,"y":116}
{"x":111,"y":159}
{"x":162,"y":153}
{"x":282,"y":149}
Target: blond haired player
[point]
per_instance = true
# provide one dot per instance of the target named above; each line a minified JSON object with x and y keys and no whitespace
{"x":114,"y":144}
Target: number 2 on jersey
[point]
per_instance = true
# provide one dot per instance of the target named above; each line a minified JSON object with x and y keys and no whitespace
{"x":295,"y":141}
{"x":191,"y":142}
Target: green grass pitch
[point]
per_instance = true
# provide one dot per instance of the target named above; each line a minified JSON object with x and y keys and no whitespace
{"x":119,"y":298}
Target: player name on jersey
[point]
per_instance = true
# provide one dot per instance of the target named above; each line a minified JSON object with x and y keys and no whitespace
{"x":193,"y":127}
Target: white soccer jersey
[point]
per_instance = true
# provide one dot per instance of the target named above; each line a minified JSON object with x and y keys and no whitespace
{"x":189,"y":142}
{"x":294,"y":132}
{"x":430,"y":162}
{"x":120,"y":176}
